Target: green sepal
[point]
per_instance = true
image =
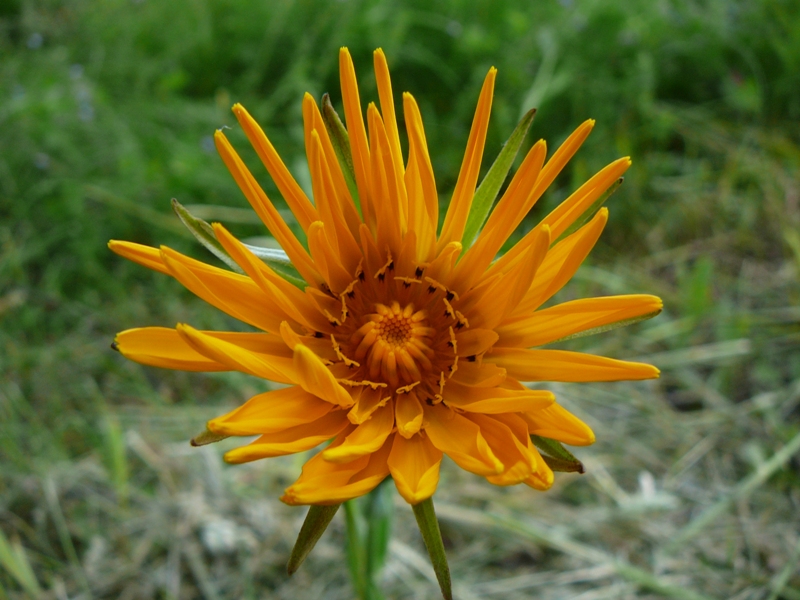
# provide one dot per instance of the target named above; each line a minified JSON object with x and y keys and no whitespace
{"x":608,"y":327}
{"x":556,"y":456}
{"x":277,"y":259}
{"x":341,"y":146}
{"x":207,"y":437}
{"x":204,"y":234}
{"x":590,"y":212}
{"x":487,"y":191}
{"x":317,"y":521}
{"x":432,"y":536}
{"x":552,"y":447}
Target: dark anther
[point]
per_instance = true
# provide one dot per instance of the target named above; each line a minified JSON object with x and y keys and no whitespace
{"x":115,"y":346}
{"x":351,"y":294}
{"x":318,"y":334}
{"x":362,"y":276}
{"x":450,"y":295}
{"x":472,"y":358}
{"x":450,"y":344}
{"x":429,"y":401}
{"x":418,"y":272}
{"x":334,"y":323}
{"x":381,"y":276}
{"x":431,"y":289}
{"x":450,"y":368}
{"x":406,"y":284}
{"x":459,"y":325}
{"x":391,"y":266}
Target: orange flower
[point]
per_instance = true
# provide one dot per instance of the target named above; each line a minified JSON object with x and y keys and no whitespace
{"x":402,"y":345}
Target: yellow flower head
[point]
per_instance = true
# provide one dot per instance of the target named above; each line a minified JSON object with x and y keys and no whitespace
{"x":401,"y":345}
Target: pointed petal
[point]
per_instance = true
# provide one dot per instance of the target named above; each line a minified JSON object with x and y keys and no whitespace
{"x":298,"y":202}
{"x":456,"y":218}
{"x":414,"y":465}
{"x":561,"y":263}
{"x":557,"y":423}
{"x":423,"y":199}
{"x":561,"y":365}
{"x":571,"y":318}
{"x":289,"y":441}
{"x":461,"y":440}
{"x":266,"y":210}
{"x":291,"y":301}
{"x":274,"y":368}
{"x":272,"y":412}
{"x":324,"y":482}
{"x":408,"y":414}
{"x":366,"y":438}
{"x":355,"y":129}
{"x":387,"y":107}
{"x":237,"y":295}
{"x":165,"y":348}
{"x":495,"y":400}
{"x":140,"y":254}
{"x":314,"y":377}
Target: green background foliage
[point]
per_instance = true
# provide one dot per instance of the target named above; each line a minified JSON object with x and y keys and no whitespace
{"x":106,"y":113}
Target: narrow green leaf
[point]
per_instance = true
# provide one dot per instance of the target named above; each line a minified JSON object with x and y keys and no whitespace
{"x":317,"y":521}
{"x":432,"y":536}
{"x":356,"y":547}
{"x":379,"y":516}
{"x":341,"y":146}
{"x":207,"y":437}
{"x":490,"y":186}
{"x":589,"y":212}
{"x":14,"y":561}
{"x":608,"y":326}
{"x":204,"y":234}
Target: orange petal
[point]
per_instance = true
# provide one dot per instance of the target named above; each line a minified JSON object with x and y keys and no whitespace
{"x":366,"y":438}
{"x":557,"y":423}
{"x":143,"y":255}
{"x":461,"y":440}
{"x":297,"y":200}
{"x":495,"y":400}
{"x":355,"y":130}
{"x":414,"y":465}
{"x":561,"y":365}
{"x":456,"y":218}
{"x":274,"y":368}
{"x":266,"y":210}
{"x":324,"y":482}
{"x":409,"y":414}
{"x":289,"y":441}
{"x":272,"y":412}
{"x":572,"y":318}
{"x":232,"y":293}
{"x":314,"y":377}
{"x":164,"y":347}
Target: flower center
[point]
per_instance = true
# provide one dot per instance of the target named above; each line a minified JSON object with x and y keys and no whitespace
{"x":395,"y":342}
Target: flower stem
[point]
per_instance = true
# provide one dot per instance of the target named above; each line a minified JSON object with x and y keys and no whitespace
{"x":429,"y":527}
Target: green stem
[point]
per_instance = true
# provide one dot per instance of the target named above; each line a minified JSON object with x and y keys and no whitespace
{"x":432,"y":536}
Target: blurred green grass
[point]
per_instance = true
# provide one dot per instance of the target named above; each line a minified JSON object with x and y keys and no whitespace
{"x":107,"y":111}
